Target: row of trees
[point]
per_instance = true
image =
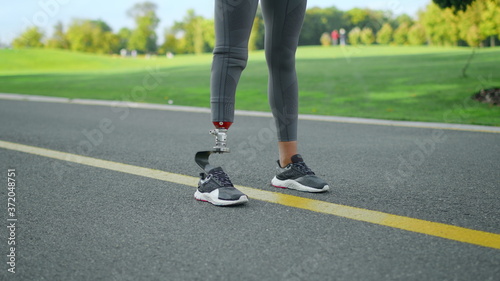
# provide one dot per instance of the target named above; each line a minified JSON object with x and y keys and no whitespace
{"x":96,"y":36}
{"x":478,"y":23}
{"x":194,"y":34}
{"x":473,"y":23}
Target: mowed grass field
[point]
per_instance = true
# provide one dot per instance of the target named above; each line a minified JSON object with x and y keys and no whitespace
{"x":386,"y":82}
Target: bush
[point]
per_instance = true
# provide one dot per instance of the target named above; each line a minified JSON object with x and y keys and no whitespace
{"x":325,"y":39}
{"x":367,"y":36}
{"x":416,"y":35}
{"x":354,"y":36}
{"x":384,"y":35}
{"x":472,"y":37}
{"x":401,"y":34}
{"x":30,"y":38}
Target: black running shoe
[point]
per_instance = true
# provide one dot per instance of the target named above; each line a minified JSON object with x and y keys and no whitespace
{"x":299,"y":177}
{"x":217,"y":189}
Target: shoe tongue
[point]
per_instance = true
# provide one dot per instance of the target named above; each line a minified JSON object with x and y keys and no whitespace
{"x":215,"y":170}
{"x":297,"y":158}
{"x":221,"y":177}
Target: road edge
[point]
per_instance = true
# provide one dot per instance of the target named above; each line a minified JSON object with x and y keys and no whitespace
{"x":337,"y":119}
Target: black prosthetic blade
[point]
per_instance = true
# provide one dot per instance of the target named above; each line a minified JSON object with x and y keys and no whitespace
{"x":201,"y":158}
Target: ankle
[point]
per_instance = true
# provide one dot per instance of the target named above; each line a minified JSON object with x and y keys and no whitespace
{"x":286,"y":151}
{"x":285,"y":162}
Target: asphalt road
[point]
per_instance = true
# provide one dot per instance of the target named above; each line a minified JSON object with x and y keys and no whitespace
{"x":78,"y":222}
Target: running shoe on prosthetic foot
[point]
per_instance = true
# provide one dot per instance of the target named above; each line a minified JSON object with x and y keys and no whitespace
{"x":298,"y":176}
{"x":215,"y":186}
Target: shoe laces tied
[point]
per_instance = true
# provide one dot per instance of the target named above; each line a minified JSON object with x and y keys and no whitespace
{"x":222,"y":178}
{"x":302,"y":167}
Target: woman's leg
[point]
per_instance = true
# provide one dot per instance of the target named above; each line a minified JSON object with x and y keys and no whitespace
{"x":233,"y":24}
{"x":283,"y":21}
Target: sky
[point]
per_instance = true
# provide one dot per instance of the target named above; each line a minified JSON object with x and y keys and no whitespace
{"x":16,"y":16}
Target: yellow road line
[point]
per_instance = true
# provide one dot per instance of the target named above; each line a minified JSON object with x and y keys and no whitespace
{"x":476,"y":237}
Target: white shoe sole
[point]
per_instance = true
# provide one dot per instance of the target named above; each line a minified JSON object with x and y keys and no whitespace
{"x":292,"y":184}
{"x":213,"y":197}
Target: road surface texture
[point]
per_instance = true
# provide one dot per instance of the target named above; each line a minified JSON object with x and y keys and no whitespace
{"x":105,"y":192}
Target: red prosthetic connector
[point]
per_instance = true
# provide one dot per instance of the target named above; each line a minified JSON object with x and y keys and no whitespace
{"x":222,"y":125}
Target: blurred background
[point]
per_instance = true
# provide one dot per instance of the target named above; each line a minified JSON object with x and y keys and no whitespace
{"x":186,"y":27}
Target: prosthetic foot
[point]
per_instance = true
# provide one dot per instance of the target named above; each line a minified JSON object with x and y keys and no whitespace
{"x":220,"y":133}
{"x":215,"y":186}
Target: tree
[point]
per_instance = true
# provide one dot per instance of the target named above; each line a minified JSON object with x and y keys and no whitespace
{"x":170,"y":44}
{"x":416,"y":35}
{"x":256,"y":40}
{"x":357,"y":16}
{"x":92,"y":36}
{"x":79,"y":35}
{"x":354,"y":36}
{"x":471,"y":36}
{"x":193,"y":28}
{"x":30,"y":38}
{"x":489,"y":26}
{"x":124,"y":34}
{"x":143,"y":37}
{"x":404,"y":18}
{"x":208,"y":35}
{"x":450,"y":27}
{"x":469,"y":23}
{"x":454,"y":4}
{"x":195,"y":32}
{"x":362,"y":18}
{"x":497,"y":19}
{"x":317,"y":21}
{"x":110,"y":44}
{"x":58,"y":40}
{"x":377,"y":18}
{"x":441,"y":25}
{"x":367,"y":37}
{"x":101,"y":25}
{"x":401,"y":34}
{"x":384,"y":35}
{"x":313,"y":26}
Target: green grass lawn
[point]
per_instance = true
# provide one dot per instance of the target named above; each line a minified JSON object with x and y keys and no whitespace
{"x":399,"y":83}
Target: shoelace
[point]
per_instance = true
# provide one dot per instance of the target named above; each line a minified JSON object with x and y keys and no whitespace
{"x":302,"y":167}
{"x":222,"y":178}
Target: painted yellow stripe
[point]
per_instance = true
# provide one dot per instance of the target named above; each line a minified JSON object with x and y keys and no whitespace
{"x":476,"y":237}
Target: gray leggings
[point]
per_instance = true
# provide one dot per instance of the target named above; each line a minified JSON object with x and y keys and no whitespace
{"x":233,"y":23}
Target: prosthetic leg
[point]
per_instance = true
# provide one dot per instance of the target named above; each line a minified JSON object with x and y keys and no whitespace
{"x":215,"y":186}
{"x":220,"y":133}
